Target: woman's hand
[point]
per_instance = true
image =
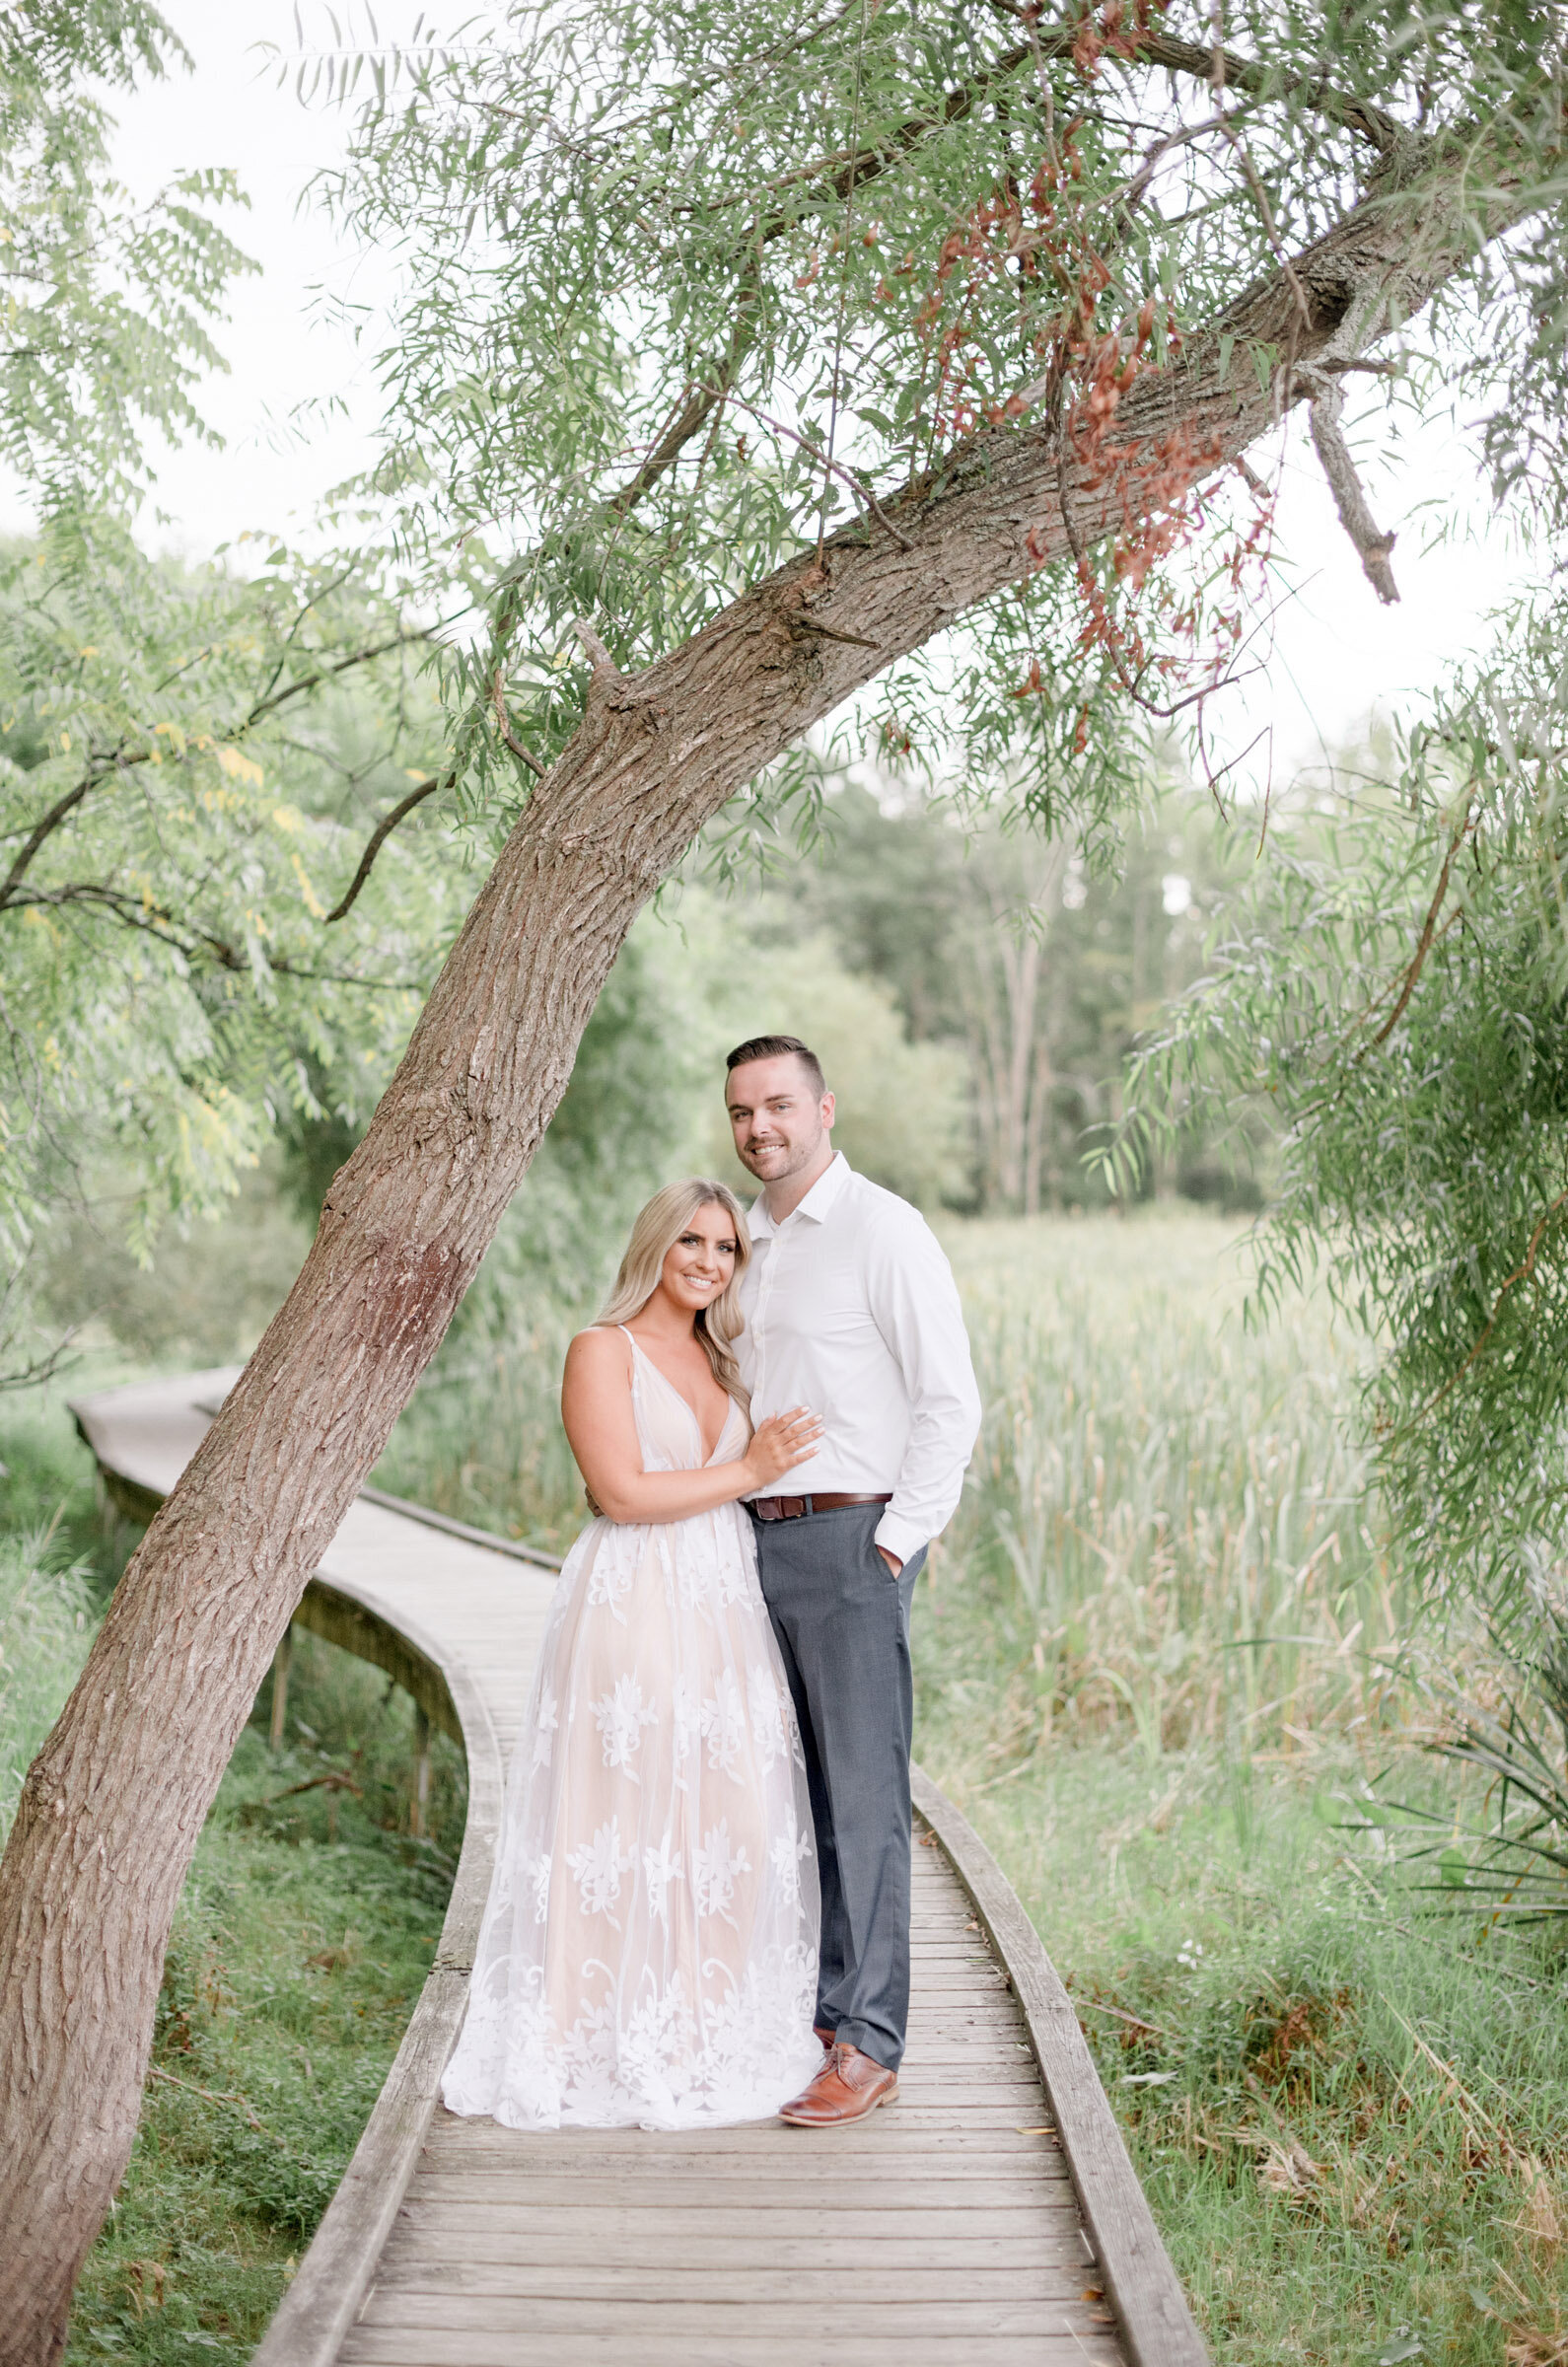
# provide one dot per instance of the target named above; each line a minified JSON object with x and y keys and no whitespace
{"x":779,"y":1444}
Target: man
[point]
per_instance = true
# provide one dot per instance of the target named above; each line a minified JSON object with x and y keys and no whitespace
{"x":851,"y":1310}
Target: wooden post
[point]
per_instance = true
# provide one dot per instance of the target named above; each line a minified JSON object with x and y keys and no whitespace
{"x":280,"y":1687}
{"x":421,"y":1800}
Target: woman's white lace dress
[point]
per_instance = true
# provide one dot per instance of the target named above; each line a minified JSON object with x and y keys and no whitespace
{"x":649,"y":1949}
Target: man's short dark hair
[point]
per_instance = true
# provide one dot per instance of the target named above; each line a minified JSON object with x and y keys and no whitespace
{"x":778,"y":1047}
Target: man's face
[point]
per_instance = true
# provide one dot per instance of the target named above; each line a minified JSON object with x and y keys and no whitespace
{"x":775,"y":1116}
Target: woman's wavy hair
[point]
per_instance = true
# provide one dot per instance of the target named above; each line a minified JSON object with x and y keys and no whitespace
{"x":655,"y":1233}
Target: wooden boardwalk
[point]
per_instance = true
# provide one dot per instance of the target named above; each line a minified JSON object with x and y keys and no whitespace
{"x":989,"y":2218}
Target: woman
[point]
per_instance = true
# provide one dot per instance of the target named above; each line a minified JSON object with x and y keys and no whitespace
{"x":649,"y":1950}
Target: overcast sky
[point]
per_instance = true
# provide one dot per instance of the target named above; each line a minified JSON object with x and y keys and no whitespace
{"x":1335,"y":650}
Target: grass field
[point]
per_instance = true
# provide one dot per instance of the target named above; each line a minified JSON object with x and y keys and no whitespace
{"x":1152,"y":1670}
{"x":1155,"y":1665}
{"x":293,"y":1967}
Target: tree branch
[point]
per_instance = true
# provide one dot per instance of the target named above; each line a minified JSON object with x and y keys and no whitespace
{"x":598,"y":657}
{"x":329,"y":674}
{"x":156,"y":920}
{"x":840,"y":176}
{"x":1523,"y":1272}
{"x":857,"y":486}
{"x":1350,"y":500}
{"x":123,"y":759}
{"x":504,"y":726}
{"x":379,"y":837}
{"x":849,"y":169}
{"x":1424,"y":942}
{"x":1227,"y":68}
{"x":699,"y":405}
{"x":45,"y":827}
{"x":42,"y":1368}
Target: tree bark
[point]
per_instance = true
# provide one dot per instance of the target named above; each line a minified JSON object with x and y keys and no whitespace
{"x":113,"y":1806}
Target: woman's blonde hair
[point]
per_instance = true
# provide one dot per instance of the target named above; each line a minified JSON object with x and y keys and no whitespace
{"x":658,"y":1228}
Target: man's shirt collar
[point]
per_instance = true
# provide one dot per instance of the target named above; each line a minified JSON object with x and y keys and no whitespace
{"x":817,"y":1203}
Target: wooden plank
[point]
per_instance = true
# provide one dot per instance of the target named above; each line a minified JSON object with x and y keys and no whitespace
{"x":557,"y":2150}
{"x":942,"y":2051}
{"x":946,"y":1968}
{"x":960,"y":2090}
{"x":938,"y":1949}
{"x":1007,"y":2110}
{"x":937,"y":1954}
{"x":874,"y":2280}
{"x":1025,"y":2157}
{"x":1001,"y":2042}
{"x":691,"y":2254}
{"x":939,"y":2108}
{"x":936,"y":1991}
{"x":959,"y":2063}
{"x":617,"y":2223}
{"x":845,"y":2198}
{"x":955,"y":2023}
{"x":320,"y":2301}
{"x":708,"y":2322}
{"x":1032,"y":2153}
{"x":388,"y":2346}
{"x":1157,"y":2327}
{"x":910,"y":2164}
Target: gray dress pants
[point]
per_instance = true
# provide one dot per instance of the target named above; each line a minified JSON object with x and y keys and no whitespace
{"x":842,"y":1622}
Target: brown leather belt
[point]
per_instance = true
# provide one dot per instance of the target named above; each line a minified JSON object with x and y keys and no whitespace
{"x":797,"y":1508}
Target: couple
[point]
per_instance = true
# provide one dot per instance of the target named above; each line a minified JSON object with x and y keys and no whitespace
{"x":700,"y":1907}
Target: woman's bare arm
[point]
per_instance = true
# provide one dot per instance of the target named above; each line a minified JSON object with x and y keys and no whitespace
{"x":602,"y":1429}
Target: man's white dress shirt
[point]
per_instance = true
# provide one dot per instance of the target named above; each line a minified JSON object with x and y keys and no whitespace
{"x":851,"y":1308}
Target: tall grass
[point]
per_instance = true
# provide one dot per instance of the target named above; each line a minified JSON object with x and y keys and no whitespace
{"x":482,"y":1441}
{"x":1348,"y":2117}
{"x":46,"y":1618}
{"x":1151,"y":1666}
{"x":1167,"y":1526}
{"x":54,"y":1576}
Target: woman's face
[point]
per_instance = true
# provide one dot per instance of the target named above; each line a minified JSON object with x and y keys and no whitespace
{"x":698,"y":1266}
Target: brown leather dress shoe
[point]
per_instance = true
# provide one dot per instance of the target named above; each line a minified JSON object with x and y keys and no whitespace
{"x":848,"y":2086}
{"x":825,"y":2037}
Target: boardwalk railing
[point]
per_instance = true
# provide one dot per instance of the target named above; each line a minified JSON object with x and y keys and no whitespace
{"x":939,"y":2225}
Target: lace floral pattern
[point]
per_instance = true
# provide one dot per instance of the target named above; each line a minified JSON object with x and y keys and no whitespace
{"x":649,"y":1949}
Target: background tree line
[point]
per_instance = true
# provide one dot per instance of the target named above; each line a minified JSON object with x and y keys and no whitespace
{"x":975,"y":992}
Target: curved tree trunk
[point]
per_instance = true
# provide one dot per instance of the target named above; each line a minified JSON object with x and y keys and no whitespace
{"x":116,"y":1800}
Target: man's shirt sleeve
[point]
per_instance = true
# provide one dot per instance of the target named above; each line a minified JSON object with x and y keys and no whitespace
{"x":914,"y":1302}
